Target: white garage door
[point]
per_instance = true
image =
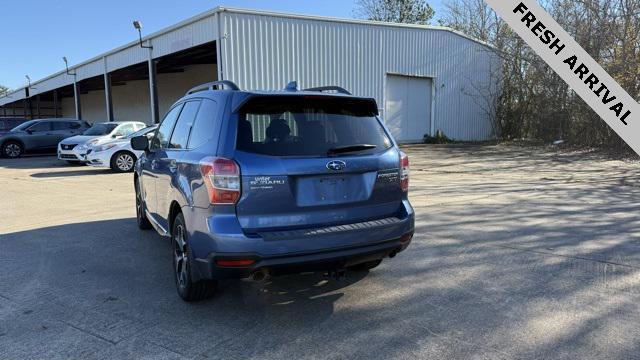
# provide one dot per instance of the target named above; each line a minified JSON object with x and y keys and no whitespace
{"x":408,"y":107}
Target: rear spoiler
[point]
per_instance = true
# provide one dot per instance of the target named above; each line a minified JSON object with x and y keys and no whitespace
{"x":369,"y":105}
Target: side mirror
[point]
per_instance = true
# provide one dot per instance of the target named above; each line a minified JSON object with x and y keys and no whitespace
{"x":140,"y":143}
{"x":117,"y":135}
{"x":29,"y":131}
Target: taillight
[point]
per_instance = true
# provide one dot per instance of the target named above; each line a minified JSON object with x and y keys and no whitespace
{"x":406,"y":237}
{"x":234,"y":263}
{"x":404,"y":171}
{"x":222,"y":178}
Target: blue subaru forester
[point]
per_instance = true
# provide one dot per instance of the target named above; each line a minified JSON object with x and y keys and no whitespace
{"x":257,"y":184}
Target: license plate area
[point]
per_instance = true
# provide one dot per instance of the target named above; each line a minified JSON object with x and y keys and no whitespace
{"x":330,"y":189}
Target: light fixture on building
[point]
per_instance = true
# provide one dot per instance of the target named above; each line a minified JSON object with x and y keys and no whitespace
{"x":66,"y":65}
{"x":138,"y":26}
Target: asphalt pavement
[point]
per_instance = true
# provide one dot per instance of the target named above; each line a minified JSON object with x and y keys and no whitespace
{"x":519,"y":253}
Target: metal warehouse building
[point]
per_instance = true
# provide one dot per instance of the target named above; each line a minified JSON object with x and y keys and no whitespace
{"x":424,"y":78}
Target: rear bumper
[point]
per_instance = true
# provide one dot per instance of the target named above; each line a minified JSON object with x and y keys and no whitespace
{"x":327,"y":248}
{"x":297,"y":263}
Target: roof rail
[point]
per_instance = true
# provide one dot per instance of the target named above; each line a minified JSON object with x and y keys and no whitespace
{"x":211,"y":85}
{"x":329,"y":88}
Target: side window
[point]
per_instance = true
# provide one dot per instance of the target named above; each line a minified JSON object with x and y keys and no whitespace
{"x":181,"y":132}
{"x":205,"y":124}
{"x":62,"y":125}
{"x":41,"y":126}
{"x":125,"y":130}
{"x":161,"y":138}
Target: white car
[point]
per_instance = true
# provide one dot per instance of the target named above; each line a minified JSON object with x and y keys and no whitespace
{"x":117,"y":154}
{"x":74,"y":149}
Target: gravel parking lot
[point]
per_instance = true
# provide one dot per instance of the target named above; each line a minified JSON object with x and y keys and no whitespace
{"x":519,"y":253}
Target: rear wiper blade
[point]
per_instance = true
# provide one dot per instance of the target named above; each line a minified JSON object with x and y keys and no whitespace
{"x":350,"y":148}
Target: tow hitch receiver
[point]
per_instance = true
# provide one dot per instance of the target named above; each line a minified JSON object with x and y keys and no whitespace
{"x":336,"y":274}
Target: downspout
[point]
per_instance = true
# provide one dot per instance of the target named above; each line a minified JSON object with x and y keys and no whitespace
{"x":219,"y":57}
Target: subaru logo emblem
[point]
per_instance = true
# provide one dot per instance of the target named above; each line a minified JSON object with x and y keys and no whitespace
{"x":336,"y":165}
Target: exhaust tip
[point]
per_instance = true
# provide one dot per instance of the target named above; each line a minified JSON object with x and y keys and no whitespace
{"x":260,"y":275}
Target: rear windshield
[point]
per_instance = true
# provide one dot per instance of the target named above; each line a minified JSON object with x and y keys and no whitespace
{"x":310,"y":126}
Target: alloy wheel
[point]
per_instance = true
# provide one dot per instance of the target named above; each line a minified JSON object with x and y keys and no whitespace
{"x":12,"y":150}
{"x":180,"y":257}
{"x":139,"y":209}
{"x":124,"y":162}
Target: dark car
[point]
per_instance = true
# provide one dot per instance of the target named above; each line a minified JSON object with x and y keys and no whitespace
{"x":8,"y":123}
{"x":255,"y":184}
{"x":39,"y":135}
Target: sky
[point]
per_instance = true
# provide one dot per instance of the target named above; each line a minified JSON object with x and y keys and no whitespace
{"x":38,"y":33}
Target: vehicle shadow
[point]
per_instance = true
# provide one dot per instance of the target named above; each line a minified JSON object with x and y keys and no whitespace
{"x":33,"y":161}
{"x":105,"y":275}
{"x":71,"y":173}
{"x":547,"y":266}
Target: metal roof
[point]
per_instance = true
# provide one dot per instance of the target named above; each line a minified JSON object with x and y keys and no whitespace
{"x":95,"y":65}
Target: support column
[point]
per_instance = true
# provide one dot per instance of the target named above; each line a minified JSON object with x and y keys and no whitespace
{"x":107,"y":91}
{"x":38,"y":106}
{"x":107,"y":96}
{"x":55,"y":103}
{"x":76,"y":97}
{"x":153,"y":89}
{"x":26,"y":104}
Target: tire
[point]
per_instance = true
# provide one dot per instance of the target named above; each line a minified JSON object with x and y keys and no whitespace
{"x":141,"y":216}
{"x":366,"y":266}
{"x":12,"y":149}
{"x":187,"y":289}
{"x":123,"y":161}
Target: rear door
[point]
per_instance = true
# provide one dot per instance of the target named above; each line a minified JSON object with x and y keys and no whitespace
{"x":314,"y":161}
{"x":168,"y":159}
{"x":152,"y":168}
{"x":63,"y":129}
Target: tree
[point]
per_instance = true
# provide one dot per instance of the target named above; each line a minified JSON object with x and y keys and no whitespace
{"x":3,"y":90}
{"x":399,"y":11}
{"x":536,"y":103}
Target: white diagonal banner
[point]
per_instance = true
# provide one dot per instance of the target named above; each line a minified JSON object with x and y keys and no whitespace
{"x":574,"y":65}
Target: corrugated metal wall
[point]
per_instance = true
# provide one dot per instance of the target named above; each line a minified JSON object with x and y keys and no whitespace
{"x":195,"y":31}
{"x":265,"y":52}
